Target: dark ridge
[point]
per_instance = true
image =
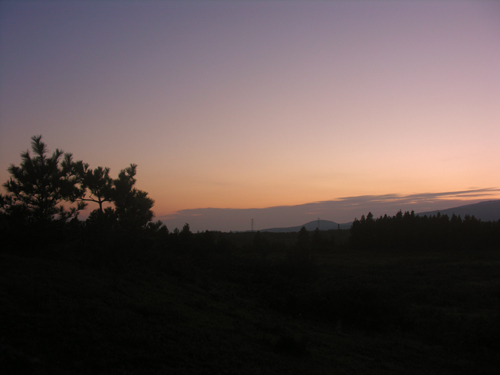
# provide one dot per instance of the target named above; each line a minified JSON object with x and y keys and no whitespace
{"x":486,"y":211}
{"x":312,"y":225}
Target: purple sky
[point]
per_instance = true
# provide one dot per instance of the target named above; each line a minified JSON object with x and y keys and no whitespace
{"x":248,"y":105}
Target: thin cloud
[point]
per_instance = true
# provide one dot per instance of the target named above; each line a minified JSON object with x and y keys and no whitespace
{"x":341,"y":210}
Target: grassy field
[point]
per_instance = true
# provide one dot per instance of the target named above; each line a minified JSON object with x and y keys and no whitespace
{"x":245,"y":311}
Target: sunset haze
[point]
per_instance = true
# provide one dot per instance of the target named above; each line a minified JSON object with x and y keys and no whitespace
{"x":251,"y":105}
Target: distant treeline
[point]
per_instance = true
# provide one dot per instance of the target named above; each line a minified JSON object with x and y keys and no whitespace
{"x":410,"y":231}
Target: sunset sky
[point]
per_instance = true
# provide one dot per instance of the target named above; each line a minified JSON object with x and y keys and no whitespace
{"x":250,"y":105}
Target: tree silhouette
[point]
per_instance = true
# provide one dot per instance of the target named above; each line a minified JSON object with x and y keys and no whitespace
{"x":132,"y":206}
{"x":41,"y":184}
{"x":303,"y":239}
{"x":99,"y":183}
{"x":45,"y":191}
{"x":185,"y":234}
{"x":317,"y":241}
{"x":410,"y":231}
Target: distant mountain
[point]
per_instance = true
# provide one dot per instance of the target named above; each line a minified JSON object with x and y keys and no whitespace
{"x":486,"y":211}
{"x":311,"y":226}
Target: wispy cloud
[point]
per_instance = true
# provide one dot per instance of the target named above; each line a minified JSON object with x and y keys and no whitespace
{"x":341,"y":210}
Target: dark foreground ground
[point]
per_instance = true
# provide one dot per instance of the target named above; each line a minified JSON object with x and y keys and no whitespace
{"x":238,"y":310}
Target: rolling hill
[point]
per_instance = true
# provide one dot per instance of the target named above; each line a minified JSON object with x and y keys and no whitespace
{"x":486,"y":211}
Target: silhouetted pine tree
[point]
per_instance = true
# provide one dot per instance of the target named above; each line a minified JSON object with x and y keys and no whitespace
{"x":40,"y":193}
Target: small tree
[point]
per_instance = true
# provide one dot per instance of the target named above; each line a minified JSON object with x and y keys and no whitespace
{"x":41,"y":185}
{"x":303,"y":239}
{"x":99,"y":183}
{"x":317,"y":240}
{"x":132,"y":206}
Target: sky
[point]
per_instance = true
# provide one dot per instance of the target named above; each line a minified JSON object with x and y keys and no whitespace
{"x":231,"y":108}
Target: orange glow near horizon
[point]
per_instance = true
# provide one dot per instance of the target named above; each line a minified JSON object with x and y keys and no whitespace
{"x":257,"y":104}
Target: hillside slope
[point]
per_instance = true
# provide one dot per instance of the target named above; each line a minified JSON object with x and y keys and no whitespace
{"x":486,"y":211}
{"x":161,"y":312}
